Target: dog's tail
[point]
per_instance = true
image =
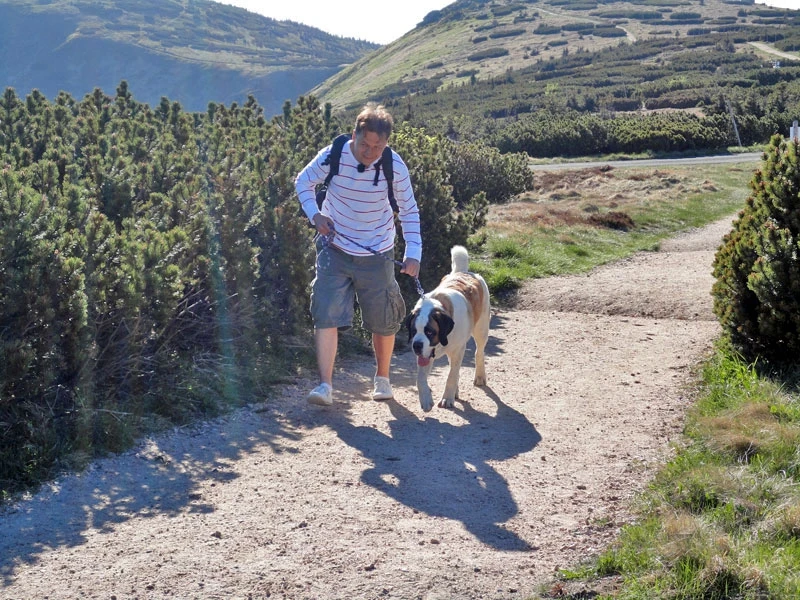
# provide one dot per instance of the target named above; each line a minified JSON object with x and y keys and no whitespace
{"x":459,"y":259}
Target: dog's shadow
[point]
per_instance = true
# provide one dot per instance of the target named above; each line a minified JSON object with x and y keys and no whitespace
{"x":444,"y":470}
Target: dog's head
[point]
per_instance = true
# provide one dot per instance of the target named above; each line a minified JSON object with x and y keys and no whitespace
{"x":428,"y":327}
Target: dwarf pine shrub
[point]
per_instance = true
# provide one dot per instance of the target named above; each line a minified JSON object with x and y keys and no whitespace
{"x":757,"y":288}
{"x":153,"y":261}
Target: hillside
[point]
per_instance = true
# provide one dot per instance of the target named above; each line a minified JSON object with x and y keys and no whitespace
{"x":192,"y":51}
{"x":503,"y":57}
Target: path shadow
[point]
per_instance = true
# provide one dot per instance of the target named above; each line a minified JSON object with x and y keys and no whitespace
{"x":161,"y":477}
{"x":444,"y":470}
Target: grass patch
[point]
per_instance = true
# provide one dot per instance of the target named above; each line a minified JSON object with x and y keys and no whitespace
{"x":722,"y":519}
{"x":576,"y":220}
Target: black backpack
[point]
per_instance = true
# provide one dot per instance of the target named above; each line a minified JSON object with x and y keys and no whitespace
{"x":335,"y":155}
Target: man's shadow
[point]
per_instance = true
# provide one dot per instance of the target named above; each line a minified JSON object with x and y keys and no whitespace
{"x":442,"y":469}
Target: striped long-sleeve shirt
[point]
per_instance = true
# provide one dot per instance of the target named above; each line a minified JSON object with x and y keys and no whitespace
{"x":359,"y":208}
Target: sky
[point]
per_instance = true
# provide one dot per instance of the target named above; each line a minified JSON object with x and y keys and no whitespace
{"x":378,"y":22}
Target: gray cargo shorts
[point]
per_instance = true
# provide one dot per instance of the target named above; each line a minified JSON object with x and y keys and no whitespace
{"x":341,"y":279}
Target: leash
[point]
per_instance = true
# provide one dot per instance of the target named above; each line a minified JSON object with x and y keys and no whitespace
{"x":327,"y":239}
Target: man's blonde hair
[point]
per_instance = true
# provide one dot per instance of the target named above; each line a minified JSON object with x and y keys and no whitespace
{"x":375,"y":118}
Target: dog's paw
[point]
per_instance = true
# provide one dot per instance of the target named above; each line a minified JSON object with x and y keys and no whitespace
{"x":446,"y":403}
{"x":426,"y":402}
{"x":479,"y":381}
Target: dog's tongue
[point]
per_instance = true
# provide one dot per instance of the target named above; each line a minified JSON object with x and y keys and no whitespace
{"x":422,"y":361}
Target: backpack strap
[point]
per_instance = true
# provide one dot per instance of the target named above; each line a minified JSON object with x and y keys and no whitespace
{"x":387,"y":165}
{"x":333,"y":158}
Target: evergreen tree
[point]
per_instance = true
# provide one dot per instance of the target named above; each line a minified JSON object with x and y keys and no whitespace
{"x":284,"y":235}
{"x":43,"y":316}
{"x":757,"y":288}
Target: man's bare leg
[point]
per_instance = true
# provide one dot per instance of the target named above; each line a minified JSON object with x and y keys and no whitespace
{"x":326,"y":341}
{"x":383,"y":346}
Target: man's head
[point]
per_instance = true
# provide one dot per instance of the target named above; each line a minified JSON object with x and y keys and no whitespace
{"x":371,"y":134}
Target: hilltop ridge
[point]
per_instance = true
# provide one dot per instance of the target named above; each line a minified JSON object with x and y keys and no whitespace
{"x":192,"y":51}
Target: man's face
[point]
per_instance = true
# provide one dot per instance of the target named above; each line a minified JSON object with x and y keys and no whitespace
{"x":368,"y":147}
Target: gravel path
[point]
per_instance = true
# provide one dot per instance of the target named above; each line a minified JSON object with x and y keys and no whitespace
{"x":589,"y":378}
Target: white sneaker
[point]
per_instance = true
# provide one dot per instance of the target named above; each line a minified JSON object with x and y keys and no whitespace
{"x":321,"y":395}
{"x":383,"y":389}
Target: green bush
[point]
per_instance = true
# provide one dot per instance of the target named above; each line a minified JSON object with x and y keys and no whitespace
{"x":501,"y":11}
{"x":609,"y":32}
{"x":506,"y":33}
{"x":582,"y":27}
{"x":685,"y":16}
{"x":580,"y":134}
{"x":476,"y":168}
{"x":442,"y":225}
{"x":757,"y":288}
{"x":544,"y":29}
{"x":148,"y":259}
{"x":488,"y":53}
{"x":151,"y":260}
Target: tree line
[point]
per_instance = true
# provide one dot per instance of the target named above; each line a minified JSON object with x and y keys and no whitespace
{"x":579,"y":134}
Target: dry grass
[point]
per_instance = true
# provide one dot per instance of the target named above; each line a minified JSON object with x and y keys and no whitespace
{"x":575,"y":220}
{"x":599,"y":197}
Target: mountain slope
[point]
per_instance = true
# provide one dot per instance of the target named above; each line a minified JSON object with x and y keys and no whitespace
{"x":192,"y":51}
{"x":477,"y":39}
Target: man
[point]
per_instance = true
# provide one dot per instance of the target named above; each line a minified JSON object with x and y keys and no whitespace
{"x":356,"y":219}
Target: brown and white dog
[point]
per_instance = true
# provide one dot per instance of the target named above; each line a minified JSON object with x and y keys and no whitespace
{"x":442,"y":322}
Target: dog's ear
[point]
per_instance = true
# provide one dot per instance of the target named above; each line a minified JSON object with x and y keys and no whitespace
{"x":446,"y":325}
{"x":409,"y":323}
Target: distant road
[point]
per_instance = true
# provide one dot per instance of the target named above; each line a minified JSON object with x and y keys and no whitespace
{"x":774,"y":51}
{"x":750,"y":157}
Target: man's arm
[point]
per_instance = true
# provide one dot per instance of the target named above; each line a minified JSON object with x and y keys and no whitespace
{"x":409,"y":217}
{"x":306,"y":182}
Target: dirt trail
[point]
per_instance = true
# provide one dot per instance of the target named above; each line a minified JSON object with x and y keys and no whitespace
{"x":587,"y":385}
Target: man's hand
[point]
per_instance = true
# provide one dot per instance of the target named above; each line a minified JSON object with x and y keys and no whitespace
{"x":410,"y":267}
{"x":323,"y":224}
